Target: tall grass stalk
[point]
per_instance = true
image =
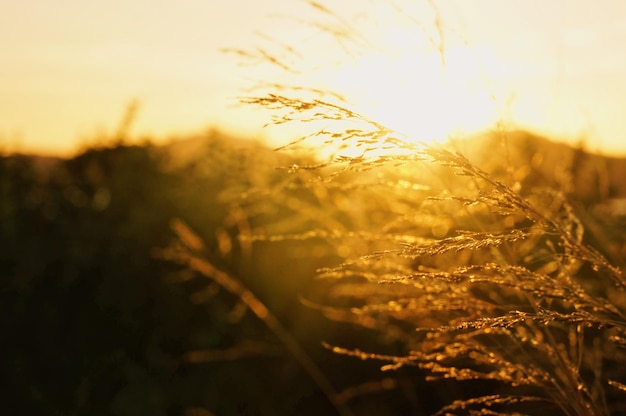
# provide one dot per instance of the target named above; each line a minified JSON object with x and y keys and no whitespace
{"x":189,"y":251}
{"x":480,"y":276}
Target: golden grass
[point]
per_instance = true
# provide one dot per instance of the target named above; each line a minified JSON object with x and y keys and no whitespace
{"x":480,"y":276}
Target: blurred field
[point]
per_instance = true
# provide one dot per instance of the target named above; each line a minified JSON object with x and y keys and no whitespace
{"x":99,"y":320}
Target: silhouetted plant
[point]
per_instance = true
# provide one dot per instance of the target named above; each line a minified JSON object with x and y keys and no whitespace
{"x":478,"y":277}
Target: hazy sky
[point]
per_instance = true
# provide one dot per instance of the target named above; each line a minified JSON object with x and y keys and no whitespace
{"x":68,"y":68}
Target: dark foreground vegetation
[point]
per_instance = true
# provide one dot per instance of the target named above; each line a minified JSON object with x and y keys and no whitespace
{"x":199,"y":279}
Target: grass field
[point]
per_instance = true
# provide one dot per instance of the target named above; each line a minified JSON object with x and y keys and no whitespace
{"x":356,"y":271}
{"x":508,"y":282}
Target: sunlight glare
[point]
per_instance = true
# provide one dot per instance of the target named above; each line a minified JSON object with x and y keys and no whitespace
{"x":417,"y":97}
{"x":407,"y":85}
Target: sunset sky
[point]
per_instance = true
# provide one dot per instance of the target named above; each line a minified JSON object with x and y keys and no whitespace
{"x":69,"y":68}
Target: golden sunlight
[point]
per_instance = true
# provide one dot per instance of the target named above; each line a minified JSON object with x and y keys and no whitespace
{"x":422,"y":82}
{"x":414,"y":68}
{"x":427,"y":68}
{"x":421,"y":97}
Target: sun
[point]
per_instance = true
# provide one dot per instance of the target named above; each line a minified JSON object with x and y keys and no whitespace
{"x":415,"y":80}
{"x":420,"y":96}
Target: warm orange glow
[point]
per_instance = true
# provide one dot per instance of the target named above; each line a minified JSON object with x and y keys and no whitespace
{"x":418,"y":80}
{"x":418,"y":96}
{"x":69,"y":69}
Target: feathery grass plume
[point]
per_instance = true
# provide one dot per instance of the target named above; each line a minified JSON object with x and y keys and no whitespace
{"x":479,"y":278}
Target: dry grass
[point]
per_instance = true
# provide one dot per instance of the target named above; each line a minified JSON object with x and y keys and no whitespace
{"x":479,"y":276}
